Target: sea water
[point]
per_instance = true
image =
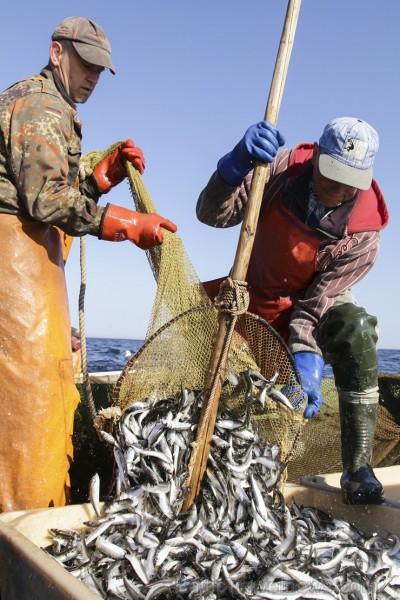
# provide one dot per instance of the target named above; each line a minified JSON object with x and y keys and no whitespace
{"x":110,"y":354}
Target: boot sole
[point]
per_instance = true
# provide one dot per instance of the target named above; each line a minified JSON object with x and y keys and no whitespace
{"x":353,"y":498}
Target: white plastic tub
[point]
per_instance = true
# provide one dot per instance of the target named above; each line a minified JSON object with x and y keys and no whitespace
{"x":28,"y":573}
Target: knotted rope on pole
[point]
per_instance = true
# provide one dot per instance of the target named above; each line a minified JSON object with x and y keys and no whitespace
{"x":233,"y":297}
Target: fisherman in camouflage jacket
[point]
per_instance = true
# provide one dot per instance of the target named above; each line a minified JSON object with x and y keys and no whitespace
{"x":44,"y":199}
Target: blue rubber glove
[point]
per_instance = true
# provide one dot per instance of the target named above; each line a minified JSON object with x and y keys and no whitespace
{"x":260,"y":142}
{"x":310,"y":367}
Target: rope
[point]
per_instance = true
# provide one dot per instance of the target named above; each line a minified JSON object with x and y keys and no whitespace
{"x":86,"y":166}
{"x":208,"y":407}
{"x":85,"y":371}
{"x":223,"y":361}
{"x":233,"y":297}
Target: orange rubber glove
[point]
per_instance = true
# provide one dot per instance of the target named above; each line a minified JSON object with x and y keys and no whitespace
{"x":144,"y":230}
{"x":111,"y":170}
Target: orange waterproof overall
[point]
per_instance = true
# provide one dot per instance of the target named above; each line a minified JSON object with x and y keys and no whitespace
{"x":38,"y":396}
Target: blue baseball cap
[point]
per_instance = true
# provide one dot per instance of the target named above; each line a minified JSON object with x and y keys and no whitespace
{"x":347,"y":150}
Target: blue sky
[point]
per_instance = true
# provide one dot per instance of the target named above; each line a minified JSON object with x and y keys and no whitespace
{"x":191,"y":77}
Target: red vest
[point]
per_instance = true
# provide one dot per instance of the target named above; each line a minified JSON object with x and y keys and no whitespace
{"x":283,"y":260}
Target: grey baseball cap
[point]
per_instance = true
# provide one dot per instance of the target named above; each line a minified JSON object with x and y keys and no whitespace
{"x":88,"y":39}
{"x":347,"y":150}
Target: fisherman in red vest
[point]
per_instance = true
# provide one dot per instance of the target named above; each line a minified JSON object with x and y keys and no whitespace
{"x":318,"y":235}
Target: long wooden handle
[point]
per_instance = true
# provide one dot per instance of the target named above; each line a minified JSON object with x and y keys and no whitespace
{"x":261,"y":171}
{"x":201,"y":445}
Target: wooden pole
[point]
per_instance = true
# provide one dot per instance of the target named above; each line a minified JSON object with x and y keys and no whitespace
{"x":201,"y":445}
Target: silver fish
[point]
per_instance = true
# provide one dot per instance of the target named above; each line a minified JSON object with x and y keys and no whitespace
{"x":240,"y":539}
{"x":94,"y":493}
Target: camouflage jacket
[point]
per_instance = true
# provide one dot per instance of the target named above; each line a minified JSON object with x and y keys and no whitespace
{"x":40,"y":148}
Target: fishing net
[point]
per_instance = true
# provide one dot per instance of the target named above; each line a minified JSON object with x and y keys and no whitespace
{"x":180,"y":339}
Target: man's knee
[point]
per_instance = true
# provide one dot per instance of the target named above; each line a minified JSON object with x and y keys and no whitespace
{"x":348,"y":337}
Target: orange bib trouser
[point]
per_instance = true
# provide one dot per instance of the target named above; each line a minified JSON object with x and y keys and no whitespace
{"x":38,"y":396}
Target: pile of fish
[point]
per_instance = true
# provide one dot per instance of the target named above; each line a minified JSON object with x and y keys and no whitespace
{"x":239,"y":540}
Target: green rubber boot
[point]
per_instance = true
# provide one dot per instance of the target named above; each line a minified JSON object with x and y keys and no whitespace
{"x":349,"y":337}
{"x":358,"y":482}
